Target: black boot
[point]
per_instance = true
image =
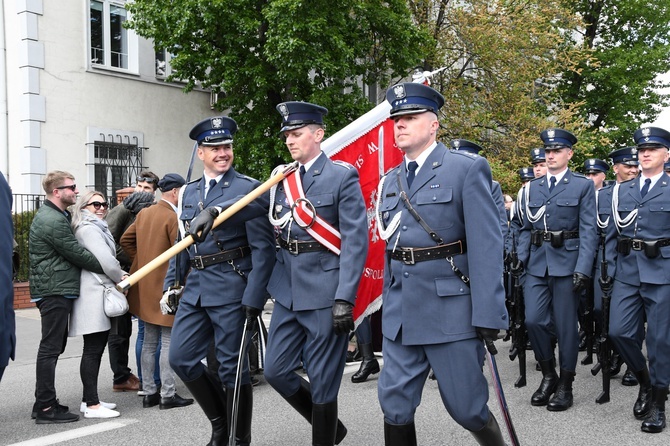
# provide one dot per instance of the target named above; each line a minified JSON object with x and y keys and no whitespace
{"x":490,"y":434}
{"x":324,"y":424}
{"x":369,"y":365}
{"x":301,"y":401}
{"x":547,"y":386}
{"x":644,"y":396}
{"x":562,"y":399}
{"x":212,"y":400}
{"x":655,"y":421}
{"x":244,"y":410}
{"x":399,"y":434}
{"x":629,"y":378}
{"x":616,"y":363}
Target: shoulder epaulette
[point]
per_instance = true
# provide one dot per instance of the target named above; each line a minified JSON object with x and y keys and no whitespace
{"x":343,"y":164}
{"x":463,"y":153}
{"x":579,"y":175}
{"x":244,"y":177}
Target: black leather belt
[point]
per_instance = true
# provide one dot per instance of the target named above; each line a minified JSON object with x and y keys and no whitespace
{"x":200,"y":262}
{"x":556,"y":238}
{"x":410,"y":256}
{"x":295,"y":247}
{"x":650,"y":247}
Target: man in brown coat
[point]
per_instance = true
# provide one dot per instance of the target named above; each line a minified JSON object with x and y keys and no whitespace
{"x":154,"y":231}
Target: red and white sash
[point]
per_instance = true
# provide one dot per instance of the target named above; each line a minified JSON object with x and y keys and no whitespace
{"x":305,"y":215}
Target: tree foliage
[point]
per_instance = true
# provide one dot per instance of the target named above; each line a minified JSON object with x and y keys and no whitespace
{"x":629,"y":44}
{"x":256,"y":54}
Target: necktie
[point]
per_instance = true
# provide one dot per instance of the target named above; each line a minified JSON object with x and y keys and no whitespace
{"x":302,"y":172}
{"x":645,"y":188}
{"x":552,"y":182}
{"x":411,"y":169}
{"x":212,"y":183}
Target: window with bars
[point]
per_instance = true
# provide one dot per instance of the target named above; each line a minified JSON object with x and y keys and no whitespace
{"x":116,"y":165}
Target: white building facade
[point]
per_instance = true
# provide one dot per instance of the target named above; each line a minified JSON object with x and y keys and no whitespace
{"x":81,"y":93}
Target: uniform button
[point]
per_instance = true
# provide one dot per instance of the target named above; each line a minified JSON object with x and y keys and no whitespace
{"x":404,"y":228}
{"x":549,"y":202}
{"x":504,"y":317}
{"x":318,"y":202}
{"x":461,"y":290}
{"x":405,"y":274}
{"x":435,"y":198}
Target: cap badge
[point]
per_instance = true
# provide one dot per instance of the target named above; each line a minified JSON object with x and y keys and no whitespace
{"x":551,"y":133}
{"x":457,"y":143}
{"x":633,"y":151}
{"x":283,"y":109}
{"x":217,"y":123}
{"x":399,"y":91}
{"x":646,"y":131}
{"x":536,"y":151}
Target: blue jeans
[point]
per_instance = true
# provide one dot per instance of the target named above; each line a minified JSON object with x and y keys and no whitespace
{"x":54,"y":313}
{"x":138,"y":354}
{"x":157,"y":340}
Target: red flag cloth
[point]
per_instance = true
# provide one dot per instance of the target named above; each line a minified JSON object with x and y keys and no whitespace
{"x":364,"y":152}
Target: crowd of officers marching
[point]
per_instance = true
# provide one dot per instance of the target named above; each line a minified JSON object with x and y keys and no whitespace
{"x":587,"y":267}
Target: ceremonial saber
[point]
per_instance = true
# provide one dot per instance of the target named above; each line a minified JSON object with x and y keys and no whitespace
{"x":232,"y":423}
{"x":491,"y":351}
{"x":187,"y":241}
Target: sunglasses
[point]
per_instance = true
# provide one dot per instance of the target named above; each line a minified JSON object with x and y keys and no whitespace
{"x":97,"y":204}
{"x":72,"y":187}
{"x":145,"y":179}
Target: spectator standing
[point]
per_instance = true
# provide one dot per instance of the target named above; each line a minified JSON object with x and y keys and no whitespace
{"x":88,"y":316}
{"x":119,"y":220}
{"x":153,"y":232}
{"x":56,"y":260}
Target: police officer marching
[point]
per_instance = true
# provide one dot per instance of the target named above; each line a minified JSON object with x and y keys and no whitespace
{"x":641,"y":285}
{"x":443,"y":288}
{"x":320,"y":217}
{"x":229,"y":270}
{"x":557,"y":245}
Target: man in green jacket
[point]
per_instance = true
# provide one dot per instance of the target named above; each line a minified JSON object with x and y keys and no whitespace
{"x":56,"y":259}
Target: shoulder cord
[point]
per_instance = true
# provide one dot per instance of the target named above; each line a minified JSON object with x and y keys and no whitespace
{"x":433,"y":235}
{"x":385,"y":232}
{"x":518,"y":208}
{"x":601,"y":224}
{"x":286,"y":219}
{"x":533,"y":218}
{"x":619,"y":222}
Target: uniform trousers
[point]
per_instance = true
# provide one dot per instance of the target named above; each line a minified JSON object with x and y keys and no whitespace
{"x":308,"y":336}
{"x":629,"y":305}
{"x":458,"y":369}
{"x":192,"y":332}
{"x":550,"y":302}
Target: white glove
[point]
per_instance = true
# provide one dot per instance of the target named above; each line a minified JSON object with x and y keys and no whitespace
{"x":166,"y":308}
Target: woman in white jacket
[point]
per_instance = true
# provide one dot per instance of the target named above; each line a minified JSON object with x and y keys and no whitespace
{"x":88,"y":316}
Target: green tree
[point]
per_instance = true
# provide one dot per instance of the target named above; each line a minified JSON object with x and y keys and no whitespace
{"x":619,"y":90}
{"x":256,"y":54}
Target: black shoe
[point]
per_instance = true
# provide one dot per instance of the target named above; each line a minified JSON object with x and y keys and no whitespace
{"x":174,"y":401}
{"x":616,"y":363}
{"x":644,"y":401}
{"x":655,"y":421}
{"x":562,"y":399}
{"x":629,"y":379}
{"x":33,"y":414}
{"x":55,"y":414}
{"x":369,"y":365}
{"x":254,"y":381}
{"x":547,"y":386}
{"x":151,"y":400}
{"x":582,"y":341}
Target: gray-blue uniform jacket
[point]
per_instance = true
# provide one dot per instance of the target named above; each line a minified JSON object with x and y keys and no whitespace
{"x":427,"y":300}
{"x":569,"y":207}
{"x":219,"y":284}
{"x":313,"y":280}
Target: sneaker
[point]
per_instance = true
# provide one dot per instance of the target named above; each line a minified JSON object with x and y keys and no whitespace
{"x":55,"y":414}
{"x":83,"y":406}
{"x":100,"y":412}
{"x":33,"y":414}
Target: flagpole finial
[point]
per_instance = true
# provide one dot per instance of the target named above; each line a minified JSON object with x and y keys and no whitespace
{"x":423,"y":77}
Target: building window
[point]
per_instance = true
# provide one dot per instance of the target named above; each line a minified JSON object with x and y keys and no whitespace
{"x":111,"y":45}
{"x":116,"y":167}
{"x":163,"y":68}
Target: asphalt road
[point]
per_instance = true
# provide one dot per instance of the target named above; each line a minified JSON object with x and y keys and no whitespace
{"x":276,"y":423}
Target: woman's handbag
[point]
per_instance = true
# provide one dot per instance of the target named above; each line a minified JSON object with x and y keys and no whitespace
{"x":114,"y":301}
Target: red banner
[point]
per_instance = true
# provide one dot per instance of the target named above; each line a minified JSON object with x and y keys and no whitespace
{"x":373,"y":154}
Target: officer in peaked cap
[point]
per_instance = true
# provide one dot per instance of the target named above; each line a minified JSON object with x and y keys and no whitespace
{"x":624,"y":163}
{"x":316,"y":274}
{"x":299,"y":114}
{"x":642,"y":285}
{"x":539,"y":161}
{"x":596,"y":170}
{"x":558,"y":265}
{"x":463,"y":145}
{"x":229,"y":270}
{"x":447,"y":188}
{"x":526,"y":174}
